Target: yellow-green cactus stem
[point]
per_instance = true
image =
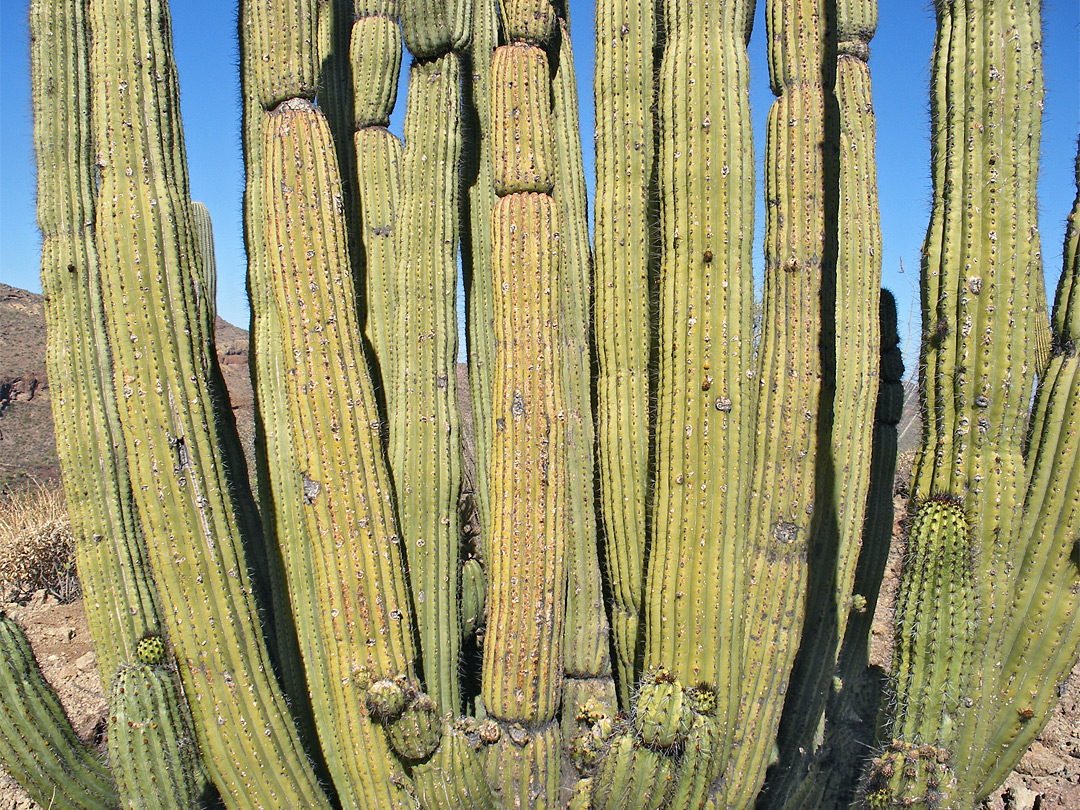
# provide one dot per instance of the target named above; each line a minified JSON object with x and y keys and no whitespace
{"x":416,"y":731}
{"x":522,"y":153}
{"x":346,"y":502}
{"x":186,"y":465}
{"x":522,"y":678}
{"x":121,"y":604}
{"x":435,"y":27}
{"x":476,"y":245}
{"x":452,"y":778}
{"x":1044,"y":628}
{"x":980,"y":315}
{"x":782,"y":489}
{"x":531,"y":21}
{"x":692,"y":781}
{"x":473,"y":595}
{"x":375,"y":53}
{"x":851,"y":356}
{"x":703,"y":404}
{"x":152,"y":749}
{"x":425,"y":422}
{"x":662,"y":713}
{"x":38,"y":746}
{"x":632,"y":776}
{"x":524,"y":767}
{"x":623,"y":96}
{"x":204,"y":232}
{"x":931,"y":683}
{"x":909,"y":776}
{"x":587,"y":660}
{"x":375,"y":56}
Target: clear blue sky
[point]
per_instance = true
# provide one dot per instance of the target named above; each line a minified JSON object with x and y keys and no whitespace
{"x":206,"y":50}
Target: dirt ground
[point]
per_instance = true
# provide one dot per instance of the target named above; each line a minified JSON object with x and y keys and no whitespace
{"x":1048,"y":777}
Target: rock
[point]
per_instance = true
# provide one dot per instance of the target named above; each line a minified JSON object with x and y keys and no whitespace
{"x":86,"y":662}
{"x":1041,"y":761}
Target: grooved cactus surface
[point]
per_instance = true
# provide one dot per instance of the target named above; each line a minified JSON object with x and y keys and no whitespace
{"x":360,"y":635}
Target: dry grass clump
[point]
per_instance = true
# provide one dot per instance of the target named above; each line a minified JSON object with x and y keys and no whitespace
{"x":37,"y":548}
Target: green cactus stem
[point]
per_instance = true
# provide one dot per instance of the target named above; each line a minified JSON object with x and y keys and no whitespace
{"x":152,"y":746}
{"x":204,"y":232}
{"x":425,"y":423}
{"x":476,"y":243}
{"x":186,"y":465}
{"x":981,"y":316}
{"x":798,"y":262}
{"x":38,"y":746}
{"x":705,"y":178}
{"x":346,"y":504}
{"x":586,"y":650}
{"x":121,"y":604}
{"x":623,"y":86}
{"x":1044,"y":629}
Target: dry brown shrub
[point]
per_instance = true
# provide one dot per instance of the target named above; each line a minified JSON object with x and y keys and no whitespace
{"x":37,"y":548}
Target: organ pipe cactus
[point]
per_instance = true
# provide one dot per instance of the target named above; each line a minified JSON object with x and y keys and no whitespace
{"x":681,"y":533}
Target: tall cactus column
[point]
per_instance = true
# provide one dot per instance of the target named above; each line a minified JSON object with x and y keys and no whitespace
{"x":704,"y":401}
{"x":622,"y":259}
{"x":523,"y":668}
{"x":195,"y":521}
{"x":110,"y":551}
{"x":790,"y":376}
{"x":587,"y":658}
{"x":980,"y":298}
{"x":346,"y":575}
{"x":375,"y":54}
{"x":425,"y":451}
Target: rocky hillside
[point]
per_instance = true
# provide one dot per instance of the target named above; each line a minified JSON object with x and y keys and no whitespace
{"x":27,"y":445}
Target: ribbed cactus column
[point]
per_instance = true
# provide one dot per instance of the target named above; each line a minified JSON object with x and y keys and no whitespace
{"x":704,"y":407}
{"x":121,"y":604}
{"x":204,"y":232}
{"x":523,"y":666}
{"x":980,"y":260}
{"x":706,"y":181}
{"x":347,"y":577}
{"x":184,"y":463}
{"x":425,"y":443}
{"x":151,"y":745}
{"x":790,"y":375}
{"x":623,"y":95}
{"x":851,"y":351}
{"x":1043,"y":631}
{"x":38,"y":747}
{"x":375,"y":54}
{"x":476,"y":251}
{"x":586,"y":651}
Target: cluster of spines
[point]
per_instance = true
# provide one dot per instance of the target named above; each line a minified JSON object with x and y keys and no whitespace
{"x":37,"y":743}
